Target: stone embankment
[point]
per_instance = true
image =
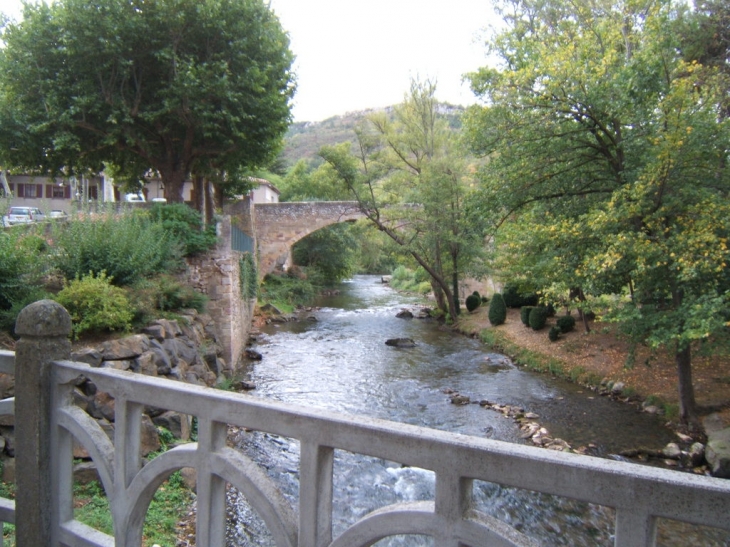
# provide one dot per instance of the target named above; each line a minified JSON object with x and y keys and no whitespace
{"x":184,"y":350}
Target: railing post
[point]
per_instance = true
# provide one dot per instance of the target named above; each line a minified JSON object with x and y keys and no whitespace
{"x":44,"y":328}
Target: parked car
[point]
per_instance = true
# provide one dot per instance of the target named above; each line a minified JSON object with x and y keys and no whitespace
{"x":134,"y":198}
{"x":24,"y":215}
{"x":57,"y":214}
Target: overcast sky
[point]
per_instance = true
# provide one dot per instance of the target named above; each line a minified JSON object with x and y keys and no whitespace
{"x":357,"y":54}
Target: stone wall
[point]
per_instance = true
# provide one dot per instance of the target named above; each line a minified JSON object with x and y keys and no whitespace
{"x":217,"y":275}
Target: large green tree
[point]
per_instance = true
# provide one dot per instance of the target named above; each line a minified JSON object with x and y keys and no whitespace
{"x":607,"y":153}
{"x":173,"y":86}
{"x":412,"y":182}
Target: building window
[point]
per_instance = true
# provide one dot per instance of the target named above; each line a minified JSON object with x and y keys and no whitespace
{"x":30,"y":190}
{"x":58,"y":192}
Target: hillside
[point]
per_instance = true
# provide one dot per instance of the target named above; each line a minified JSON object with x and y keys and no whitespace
{"x":304,"y":139}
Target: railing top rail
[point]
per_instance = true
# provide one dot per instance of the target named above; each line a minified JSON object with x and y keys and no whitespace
{"x":660,"y":492}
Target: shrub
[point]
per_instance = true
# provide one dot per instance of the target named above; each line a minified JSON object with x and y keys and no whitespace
{"x":165,"y":293}
{"x":22,"y":264}
{"x":565,"y":323}
{"x":554,"y":333}
{"x":127,"y":247}
{"x":538,"y":317}
{"x":513,"y":298}
{"x":525,"y":314}
{"x":186,"y":226}
{"x":476,"y":293}
{"x":497,"y":310}
{"x":95,"y":304}
{"x":473,"y":302}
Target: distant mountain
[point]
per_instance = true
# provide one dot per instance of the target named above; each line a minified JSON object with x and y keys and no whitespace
{"x":304,"y":139}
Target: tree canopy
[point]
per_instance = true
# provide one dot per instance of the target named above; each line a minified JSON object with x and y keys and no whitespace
{"x":413,"y":183}
{"x":172,"y":86}
{"x":607,"y":155}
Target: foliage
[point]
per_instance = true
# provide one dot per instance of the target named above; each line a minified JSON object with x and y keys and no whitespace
{"x":186,"y":226}
{"x":127,"y":247}
{"x":163,"y":293}
{"x":22,"y":265}
{"x":290,"y":290}
{"x":565,"y":323}
{"x":331,"y":252}
{"x":415,"y":281}
{"x":525,"y":314}
{"x":554,"y":333}
{"x":607,"y":169}
{"x":514,"y":298}
{"x":175,"y":87}
{"x":411,"y":181}
{"x":538,"y":317}
{"x":248,"y":276}
{"x":497,"y":310}
{"x":473,"y":301}
{"x":95,"y":305}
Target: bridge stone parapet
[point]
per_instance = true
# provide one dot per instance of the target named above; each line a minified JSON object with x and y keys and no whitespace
{"x":280,"y":225}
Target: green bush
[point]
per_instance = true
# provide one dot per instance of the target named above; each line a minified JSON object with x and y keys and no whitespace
{"x":513,"y":298}
{"x":287,"y":290}
{"x":186,"y":226}
{"x":472,"y":302}
{"x":538,"y":317}
{"x":165,"y":293}
{"x":23,"y":261}
{"x":479,"y":296}
{"x":554,"y":333}
{"x":95,"y":304}
{"x":497,"y":310}
{"x":565,"y":323}
{"x":127,"y":247}
{"x":525,"y":314}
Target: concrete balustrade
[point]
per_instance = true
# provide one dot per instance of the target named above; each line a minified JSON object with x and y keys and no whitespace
{"x":47,"y":421}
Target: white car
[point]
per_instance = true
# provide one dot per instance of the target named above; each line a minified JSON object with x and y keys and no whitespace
{"x":134,"y":198}
{"x":57,"y":214}
{"x":24,"y":215}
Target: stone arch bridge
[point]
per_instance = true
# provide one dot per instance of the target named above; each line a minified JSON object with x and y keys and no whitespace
{"x":278,"y":226}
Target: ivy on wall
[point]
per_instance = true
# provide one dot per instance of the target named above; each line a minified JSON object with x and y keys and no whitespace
{"x":248,"y":276}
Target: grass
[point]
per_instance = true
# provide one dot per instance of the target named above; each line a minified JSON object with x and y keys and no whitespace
{"x":537,"y":361}
{"x":172,"y":499}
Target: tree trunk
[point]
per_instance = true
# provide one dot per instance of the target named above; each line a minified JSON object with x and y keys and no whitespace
{"x":199,"y":185}
{"x":687,"y":405}
{"x":455,"y":284}
{"x":209,"y":205}
{"x":174,"y":182}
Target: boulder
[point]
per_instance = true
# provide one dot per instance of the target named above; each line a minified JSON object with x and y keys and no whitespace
{"x":400,"y":343}
{"x":717,"y":453}
{"x":404,"y":314}
{"x":253,"y":354}
{"x":130,"y":347}
{"x":89,"y":356}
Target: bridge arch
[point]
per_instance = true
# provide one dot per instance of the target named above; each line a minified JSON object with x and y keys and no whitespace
{"x":280,"y":225}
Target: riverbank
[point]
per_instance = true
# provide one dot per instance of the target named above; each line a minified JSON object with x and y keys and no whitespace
{"x":601,"y":359}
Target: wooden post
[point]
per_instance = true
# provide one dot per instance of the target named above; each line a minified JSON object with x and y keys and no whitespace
{"x":44,"y":328}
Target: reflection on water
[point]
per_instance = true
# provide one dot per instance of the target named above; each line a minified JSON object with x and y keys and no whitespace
{"x":340,"y":362}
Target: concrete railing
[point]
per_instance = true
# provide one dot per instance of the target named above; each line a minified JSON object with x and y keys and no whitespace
{"x":47,"y":422}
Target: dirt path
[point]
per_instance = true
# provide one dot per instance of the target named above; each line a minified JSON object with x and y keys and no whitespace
{"x":602,"y":356}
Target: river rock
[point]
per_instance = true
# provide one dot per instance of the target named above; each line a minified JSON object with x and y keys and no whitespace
{"x":672,"y":451}
{"x":400,"y":343}
{"x":458,"y":399}
{"x":696,"y":454}
{"x":404,"y":314}
{"x":253,"y":354}
{"x":717,"y":453}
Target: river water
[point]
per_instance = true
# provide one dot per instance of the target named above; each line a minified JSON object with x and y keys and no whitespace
{"x":339,"y":361}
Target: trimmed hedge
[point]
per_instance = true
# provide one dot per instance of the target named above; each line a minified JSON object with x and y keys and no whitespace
{"x":473,"y":302}
{"x":497,"y":310}
{"x":525,"y":314}
{"x":538,"y":317}
{"x":565,"y":323}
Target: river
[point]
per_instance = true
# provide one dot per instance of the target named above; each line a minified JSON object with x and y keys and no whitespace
{"x":339,"y":361}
